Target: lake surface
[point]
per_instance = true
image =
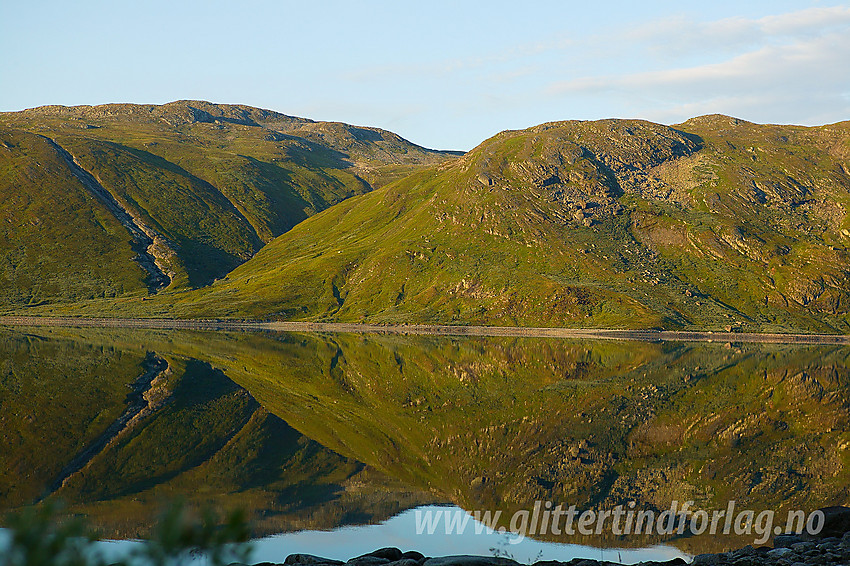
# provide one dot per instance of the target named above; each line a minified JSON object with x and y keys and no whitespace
{"x":400,"y":531}
{"x":324,"y":432}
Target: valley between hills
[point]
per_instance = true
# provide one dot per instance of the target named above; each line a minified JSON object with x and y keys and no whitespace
{"x":197,"y":210}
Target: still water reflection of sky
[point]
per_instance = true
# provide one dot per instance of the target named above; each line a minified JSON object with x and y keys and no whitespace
{"x":400,"y":532}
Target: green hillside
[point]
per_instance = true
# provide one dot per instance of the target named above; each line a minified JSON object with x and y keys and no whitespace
{"x":56,"y":244}
{"x":714,"y":223}
{"x":617,"y":223}
{"x":197,"y":187}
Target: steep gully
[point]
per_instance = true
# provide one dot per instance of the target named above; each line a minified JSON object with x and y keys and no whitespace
{"x":146,"y":242}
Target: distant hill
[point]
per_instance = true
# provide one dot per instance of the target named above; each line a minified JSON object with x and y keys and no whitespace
{"x":101,"y":201}
{"x":714,"y":223}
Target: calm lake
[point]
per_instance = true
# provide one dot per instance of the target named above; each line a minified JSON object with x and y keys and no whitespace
{"x":337,"y":444}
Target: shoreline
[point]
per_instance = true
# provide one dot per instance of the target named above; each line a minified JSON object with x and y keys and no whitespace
{"x":833,"y":550}
{"x":639,"y":335}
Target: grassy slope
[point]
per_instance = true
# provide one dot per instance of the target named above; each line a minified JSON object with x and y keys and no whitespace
{"x":716,"y":223}
{"x":56,"y":242}
{"x":215,"y":181}
{"x":611,"y":223}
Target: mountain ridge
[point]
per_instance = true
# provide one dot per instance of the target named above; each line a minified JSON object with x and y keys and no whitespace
{"x":186,"y":112}
{"x":716,"y":222}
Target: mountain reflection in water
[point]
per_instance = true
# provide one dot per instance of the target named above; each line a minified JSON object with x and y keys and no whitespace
{"x":319,"y":431}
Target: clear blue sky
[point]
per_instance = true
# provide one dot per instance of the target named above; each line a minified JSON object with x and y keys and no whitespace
{"x":442,"y":74}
